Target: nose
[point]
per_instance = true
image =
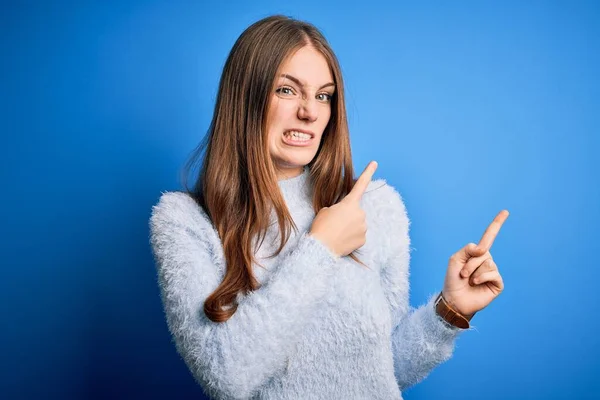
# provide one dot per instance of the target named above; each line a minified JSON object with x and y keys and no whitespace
{"x":307,"y":110}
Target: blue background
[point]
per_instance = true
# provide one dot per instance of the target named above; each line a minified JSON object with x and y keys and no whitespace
{"x":469,"y":108}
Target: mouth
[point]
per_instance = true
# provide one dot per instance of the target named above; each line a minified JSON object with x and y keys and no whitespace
{"x":294,"y":137}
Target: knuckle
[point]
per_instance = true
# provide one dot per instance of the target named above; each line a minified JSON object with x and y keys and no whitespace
{"x":471,"y":246}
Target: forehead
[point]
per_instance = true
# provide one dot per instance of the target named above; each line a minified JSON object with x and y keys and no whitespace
{"x":308,"y":65}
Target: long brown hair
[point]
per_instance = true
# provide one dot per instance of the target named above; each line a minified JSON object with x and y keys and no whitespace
{"x":237,"y":184}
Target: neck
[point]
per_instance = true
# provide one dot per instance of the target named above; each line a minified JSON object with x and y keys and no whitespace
{"x":289,"y":173}
{"x":296,"y":183}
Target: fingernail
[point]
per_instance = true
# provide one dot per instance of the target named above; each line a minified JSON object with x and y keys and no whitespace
{"x":463,"y":273}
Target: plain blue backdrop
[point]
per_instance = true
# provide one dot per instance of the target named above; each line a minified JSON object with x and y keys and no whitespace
{"x":469,"y":107}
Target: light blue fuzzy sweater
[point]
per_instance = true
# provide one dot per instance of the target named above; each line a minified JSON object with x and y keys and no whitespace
{"x":320,"y":327}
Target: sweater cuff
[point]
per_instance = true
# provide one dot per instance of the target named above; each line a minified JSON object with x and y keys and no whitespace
{"x":440,"y":328}
{"x":321,"y":247}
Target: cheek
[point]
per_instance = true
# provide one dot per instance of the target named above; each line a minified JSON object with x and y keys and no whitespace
{"x":272,"y":118}
{"x":283,"y":110}
{"x":280,"y":115}
{"x":326,"y":116}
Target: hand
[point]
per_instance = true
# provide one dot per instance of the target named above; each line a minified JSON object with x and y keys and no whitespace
{"x":472,"y":279}
{"x":342,"y":227}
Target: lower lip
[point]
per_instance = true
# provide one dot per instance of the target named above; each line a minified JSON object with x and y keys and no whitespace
{"x":290,"y":142}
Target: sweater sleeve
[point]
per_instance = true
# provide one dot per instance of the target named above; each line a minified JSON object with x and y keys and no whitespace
{"x":421,"y":340}
{"x":231,"y":360}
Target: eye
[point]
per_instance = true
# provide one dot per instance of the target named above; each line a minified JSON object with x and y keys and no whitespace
{"x":325,"y":97}
{"x":285,"y":90}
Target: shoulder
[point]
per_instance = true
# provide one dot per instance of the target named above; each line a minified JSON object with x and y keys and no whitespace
{"x":178,"y":208}
{"x":178,"y":211}
{"x":384,"y":202}
{"x":387,"y":219}
{"x":179,"y":224}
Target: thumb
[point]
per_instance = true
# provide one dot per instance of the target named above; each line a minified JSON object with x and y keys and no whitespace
{"x":472,"y":250}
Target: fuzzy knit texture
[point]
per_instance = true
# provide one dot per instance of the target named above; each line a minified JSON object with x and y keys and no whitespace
{"x":320,"y":326}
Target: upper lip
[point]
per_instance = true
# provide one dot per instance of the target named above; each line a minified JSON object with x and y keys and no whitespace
{"x":312,"y":135}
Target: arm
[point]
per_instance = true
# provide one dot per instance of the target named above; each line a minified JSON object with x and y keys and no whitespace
{"x":234,"y":358}
{"x":420,"y":339}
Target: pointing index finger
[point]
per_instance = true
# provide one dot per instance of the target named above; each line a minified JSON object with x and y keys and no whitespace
{"x":492,"y":231}
{"x":362,"y":182}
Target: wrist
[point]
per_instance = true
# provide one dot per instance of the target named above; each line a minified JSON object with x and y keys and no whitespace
{"x":449,"y":315}
{"x":452,"y":304}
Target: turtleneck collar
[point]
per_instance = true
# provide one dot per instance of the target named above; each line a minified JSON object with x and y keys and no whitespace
{"x":297,"y":187}
{"x":300,"y":179}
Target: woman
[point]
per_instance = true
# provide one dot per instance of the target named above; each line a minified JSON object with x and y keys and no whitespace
{"x":260,"y":310}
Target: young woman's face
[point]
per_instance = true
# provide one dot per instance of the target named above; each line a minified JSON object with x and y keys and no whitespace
{"x":299,"y":111}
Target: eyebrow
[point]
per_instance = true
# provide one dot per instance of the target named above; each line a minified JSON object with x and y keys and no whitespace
{"x":297,"y":81}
